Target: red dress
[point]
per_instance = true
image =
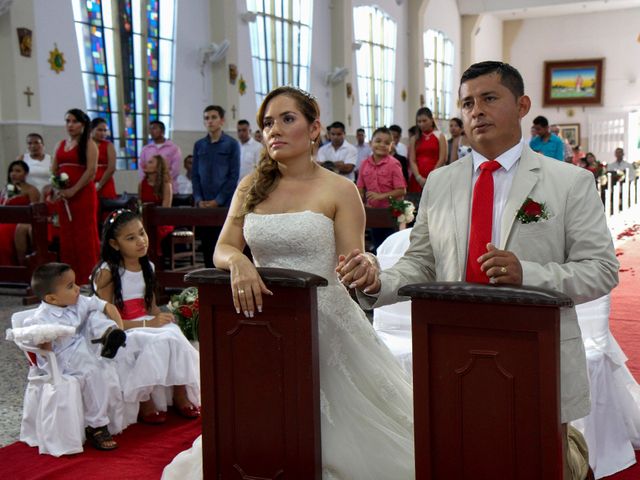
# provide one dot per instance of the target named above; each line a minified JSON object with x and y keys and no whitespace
{"x":147,"y":195}
{"x":427,"y":154}
{"x":8,"y":232}
{"x":79,"y":243}
{"x":108,"y":190}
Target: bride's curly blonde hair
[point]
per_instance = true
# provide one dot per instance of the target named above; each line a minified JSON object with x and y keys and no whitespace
{"x":267,"y":173}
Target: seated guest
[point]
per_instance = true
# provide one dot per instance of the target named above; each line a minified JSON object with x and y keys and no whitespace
{"x":55,"y":285}
{"x":158,"y":367}
{"x":380,"y":178}
{"x":14,"y":238}
{"x":546,"y":142}
{"x":620,"y":165}
{"x":39,"y":162}
{"x":185,"y":187}
{"x":156,"y":188}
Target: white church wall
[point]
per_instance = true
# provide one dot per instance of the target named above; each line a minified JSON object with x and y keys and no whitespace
{"x":612,"y":35}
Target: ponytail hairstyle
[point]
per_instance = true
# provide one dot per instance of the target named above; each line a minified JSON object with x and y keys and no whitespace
{"x":113,"y":258}
{"x":267,"y":173}
{"x":83,"y":118}
{"x":162,"y":176}
{"x":427,"y":113}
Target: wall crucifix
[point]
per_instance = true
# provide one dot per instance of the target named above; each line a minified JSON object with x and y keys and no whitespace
{"x":28,"y":93}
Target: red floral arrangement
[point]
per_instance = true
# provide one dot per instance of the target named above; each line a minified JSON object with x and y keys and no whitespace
{"x":186,"y":308}
{"x":532,"y":211}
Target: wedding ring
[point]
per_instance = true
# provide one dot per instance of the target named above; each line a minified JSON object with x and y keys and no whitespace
{"x":240,"y":290}
{"x":503,"y":270}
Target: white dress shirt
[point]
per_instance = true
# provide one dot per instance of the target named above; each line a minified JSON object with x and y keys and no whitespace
{"x":347,"y":153}
{"x":249,"y":156}
{"x":502,"y":180}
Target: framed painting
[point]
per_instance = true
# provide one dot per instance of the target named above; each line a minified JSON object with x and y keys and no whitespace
{"x":573,"y":82}
{"x":570,"y":132}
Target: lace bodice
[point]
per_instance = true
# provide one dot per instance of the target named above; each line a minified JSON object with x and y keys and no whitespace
{"x":300,"y":241}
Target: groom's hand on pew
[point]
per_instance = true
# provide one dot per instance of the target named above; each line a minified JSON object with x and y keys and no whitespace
{"x":359,"y":270}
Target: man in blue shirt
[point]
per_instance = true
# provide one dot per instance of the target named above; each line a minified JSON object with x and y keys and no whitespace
{"x":545,"y":142}
{"x":216,"y":167}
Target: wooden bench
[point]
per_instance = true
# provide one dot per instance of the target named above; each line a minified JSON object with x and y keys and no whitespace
{"x":154,"y":216}
{"x":36,"y":216}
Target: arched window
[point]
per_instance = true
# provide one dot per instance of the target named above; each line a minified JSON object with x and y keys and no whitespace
{"x":280,"y":44}
{"x":438,"y":73}
{"x":126,"y":56}
{"x":375,"y":32}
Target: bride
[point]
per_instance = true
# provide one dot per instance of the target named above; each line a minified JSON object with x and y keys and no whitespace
{"x":295,"y":214}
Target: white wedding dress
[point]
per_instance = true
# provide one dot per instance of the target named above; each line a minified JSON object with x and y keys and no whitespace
{"x":366,"y":398}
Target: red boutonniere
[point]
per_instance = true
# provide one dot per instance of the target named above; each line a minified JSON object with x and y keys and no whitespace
{"x":532,"y":211}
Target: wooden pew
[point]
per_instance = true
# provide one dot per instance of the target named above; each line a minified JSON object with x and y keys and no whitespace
{"x":36,"y":216}
{"x":153,"y":216}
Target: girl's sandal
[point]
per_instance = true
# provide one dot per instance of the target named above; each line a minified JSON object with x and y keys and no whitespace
{"x":100,"y":438}
{"x":112,"y":339}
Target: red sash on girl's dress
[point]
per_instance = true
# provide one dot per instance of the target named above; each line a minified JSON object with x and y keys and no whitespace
{"x":133,"y":309}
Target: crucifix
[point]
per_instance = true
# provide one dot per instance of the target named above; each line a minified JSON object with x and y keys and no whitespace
{"x":28,"y":93}
{"x":233,"y":110}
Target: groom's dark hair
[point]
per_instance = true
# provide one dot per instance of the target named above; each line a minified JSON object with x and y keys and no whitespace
{"x":509,"y":76}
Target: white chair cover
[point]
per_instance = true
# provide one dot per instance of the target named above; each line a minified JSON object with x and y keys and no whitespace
{"x":52,"y":416}
{"x":393,"y":322}
{"x":612,"y":427}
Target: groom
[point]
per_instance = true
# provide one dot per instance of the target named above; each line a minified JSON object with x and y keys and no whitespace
{"x":476,"y":224}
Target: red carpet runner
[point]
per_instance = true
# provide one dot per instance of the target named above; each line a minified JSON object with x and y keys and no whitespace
{"x":143,"y":452}
{"x":624,"y":321}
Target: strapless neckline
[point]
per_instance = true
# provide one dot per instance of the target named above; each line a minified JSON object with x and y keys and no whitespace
{"x":301,"y":212}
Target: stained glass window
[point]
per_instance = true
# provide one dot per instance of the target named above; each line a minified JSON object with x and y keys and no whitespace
{"x":438,"y":73}
{"x":280,"y":44}
{"x":126,"y":52}
{"x":375,"y":31}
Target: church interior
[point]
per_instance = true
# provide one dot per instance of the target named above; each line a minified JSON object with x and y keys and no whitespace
{"x":164,"y":71}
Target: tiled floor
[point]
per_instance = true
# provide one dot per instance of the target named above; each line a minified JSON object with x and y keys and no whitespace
{"x":13,"y":371}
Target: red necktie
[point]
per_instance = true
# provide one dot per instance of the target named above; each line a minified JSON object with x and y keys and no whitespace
{"x":481,"y":221}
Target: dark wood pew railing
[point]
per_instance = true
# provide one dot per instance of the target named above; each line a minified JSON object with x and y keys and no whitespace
{"x":36,"y":216}
{"x":154,"y":216}
{"x":260,"y":382}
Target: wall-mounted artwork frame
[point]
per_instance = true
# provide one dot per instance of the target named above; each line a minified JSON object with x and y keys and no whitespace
{"x":573,"y":82}
{"x":570,"y":132}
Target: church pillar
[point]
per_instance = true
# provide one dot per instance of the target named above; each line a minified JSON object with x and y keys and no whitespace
{"x":224,"y":26}
{"x":415,"y":27}
{"x":342,"y":57}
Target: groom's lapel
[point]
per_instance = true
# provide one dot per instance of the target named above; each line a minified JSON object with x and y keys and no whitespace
{"x":461,"y":200}
{"x":525,"y":179}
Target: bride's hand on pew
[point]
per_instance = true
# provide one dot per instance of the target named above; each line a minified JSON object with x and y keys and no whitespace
{"x":247,"y":287}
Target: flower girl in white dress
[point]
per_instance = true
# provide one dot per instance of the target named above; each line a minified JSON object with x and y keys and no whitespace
{"x":295,"y":214}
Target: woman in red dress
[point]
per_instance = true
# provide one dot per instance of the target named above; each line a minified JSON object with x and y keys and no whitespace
{"x":105,"y":185}
{"x":427,"y":150}
{"x":156,"y":188}
{"x":77,"y":157}
{"x":14,"y":237}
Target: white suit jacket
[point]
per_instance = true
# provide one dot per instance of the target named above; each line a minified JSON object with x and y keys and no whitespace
{"x":570,"y":252}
